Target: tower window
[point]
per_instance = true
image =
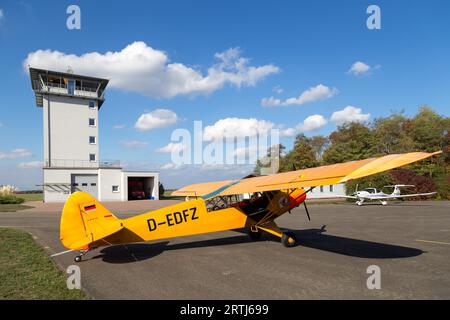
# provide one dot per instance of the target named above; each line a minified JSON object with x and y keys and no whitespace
{"x":331,"y":188}
{"x":321,"y":188}
{"x":91,"y":104}
{"x":71,"y":87}
{"x":92,"y":157}
{"x":92,"y":122}
{"x":115,"y":188}
{"x":92,"y":140}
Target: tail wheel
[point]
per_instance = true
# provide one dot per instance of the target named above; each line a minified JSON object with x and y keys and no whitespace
{"x":254,"y":235}
{"x":288,"y":239}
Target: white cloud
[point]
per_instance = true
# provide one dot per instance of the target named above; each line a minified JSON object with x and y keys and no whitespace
{"x":171,"y":147}
{"x":133,"y":144}
{"x":278,"y":89}
{"x":236,"y":127}
{"x":313,"y":94}
{"x":1,"y":15}
{"x":16,"y":153}
{"x":158,"y":118}
{"x":140,"y":68}
{"x":119,"y":126}
{"x":271,"y":102}
{"x":360,"y":68}
{"x":240,"y":128}
{"x":311,"y":123}
{"x":170,"y":166}
{"x":31,"y":165}
{"x":349,"y":114}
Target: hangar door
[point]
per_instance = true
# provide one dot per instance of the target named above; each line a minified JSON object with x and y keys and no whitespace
{"x":85,"y":182}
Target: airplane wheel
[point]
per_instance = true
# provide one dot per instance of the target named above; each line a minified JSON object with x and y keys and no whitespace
{"x":254,"y":235}
{"x":288,"y":239}
{"x":359,"y":203}
{"x":77,"y":259}
{"x":384,"y":203}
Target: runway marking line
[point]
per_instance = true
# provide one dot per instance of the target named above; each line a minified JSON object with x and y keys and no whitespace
{"x":60,"y":253}
{"x":430,"y":241}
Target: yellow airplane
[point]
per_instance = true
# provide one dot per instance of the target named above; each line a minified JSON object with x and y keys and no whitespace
{"x":216,"y":206}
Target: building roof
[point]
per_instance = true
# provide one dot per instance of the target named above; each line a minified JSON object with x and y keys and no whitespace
{"x":39,"y":90}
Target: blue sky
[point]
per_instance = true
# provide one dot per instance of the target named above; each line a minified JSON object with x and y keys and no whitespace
{"x":296,"y":46}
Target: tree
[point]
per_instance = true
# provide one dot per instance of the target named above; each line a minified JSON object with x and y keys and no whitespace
{"x":428,"y":130}
{"x":161,"y":190}
{"x":351,"y":141}
{"x":274,"y":153}
{"x":319,"y":145}
{"x":391,"y":135}
{"x":301,"y":156}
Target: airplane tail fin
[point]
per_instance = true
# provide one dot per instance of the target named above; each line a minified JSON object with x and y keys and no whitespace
{"x":84,"y":221}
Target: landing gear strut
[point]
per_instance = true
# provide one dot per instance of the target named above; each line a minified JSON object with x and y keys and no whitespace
{"x":79,"y":257}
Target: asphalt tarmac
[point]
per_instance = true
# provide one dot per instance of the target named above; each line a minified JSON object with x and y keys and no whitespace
{"x":408,"y":241}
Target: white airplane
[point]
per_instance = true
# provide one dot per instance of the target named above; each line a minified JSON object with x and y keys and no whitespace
{"x":373,"y":194}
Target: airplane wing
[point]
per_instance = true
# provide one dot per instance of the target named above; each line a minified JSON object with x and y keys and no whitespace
{"x":346,"y":197}
{"x":413,"y":195}
{"x":201,"y":189}
{"x":312,"y":177}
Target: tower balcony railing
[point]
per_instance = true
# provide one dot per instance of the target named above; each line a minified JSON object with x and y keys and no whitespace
{"x":71,"y":163}
{"x":63,"y":89}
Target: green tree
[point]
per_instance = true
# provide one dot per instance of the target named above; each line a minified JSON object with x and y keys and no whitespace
{"x":429,"y":130}
{"x":301,"y":156}
{"x":161,"y":190}
{"x":351,"y":141}
{"x":391,"y":135}
{"x":274,"y":153}
{"x":319,"y":144}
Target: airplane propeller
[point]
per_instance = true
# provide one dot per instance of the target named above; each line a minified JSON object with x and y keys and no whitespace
{"x":304,"y":203}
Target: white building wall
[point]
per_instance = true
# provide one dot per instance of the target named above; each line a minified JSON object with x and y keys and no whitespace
{"x":70,"y":131}
{"x":107,"y":179}
{"x":57,"y":183}
{"x":325,"y":192}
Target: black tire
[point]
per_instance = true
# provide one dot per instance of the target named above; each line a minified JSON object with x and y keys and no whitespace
{"x":288,"y":239}
{"x":254,"y":235}
{"x":77,"y":259}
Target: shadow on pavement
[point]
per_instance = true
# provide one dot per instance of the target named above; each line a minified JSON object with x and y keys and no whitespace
{"x":316,"y":239}
{"x":310,"y":238}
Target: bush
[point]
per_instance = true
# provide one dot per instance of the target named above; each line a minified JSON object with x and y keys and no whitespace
{"x":405,"y":176}
{"x":10,"y":200}
{"x":161,"y":190}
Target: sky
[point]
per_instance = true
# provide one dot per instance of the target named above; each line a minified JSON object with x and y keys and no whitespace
{"x":240,"y":67}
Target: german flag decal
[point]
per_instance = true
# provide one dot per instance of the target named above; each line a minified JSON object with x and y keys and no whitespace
{"x":90,"y":208}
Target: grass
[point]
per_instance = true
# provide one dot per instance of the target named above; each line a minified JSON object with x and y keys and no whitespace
{"x":27,"y":272}
{"x":13,"y":207}
{"x":30,"y":196}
